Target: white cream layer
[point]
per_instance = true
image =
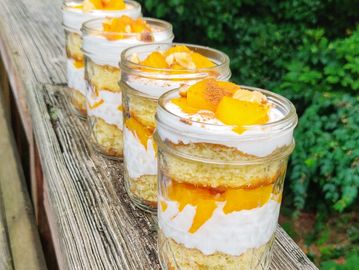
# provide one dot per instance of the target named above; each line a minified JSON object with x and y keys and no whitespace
{"x":138,"y":160}
{"x":231,"y":234}
{"x":75,"y":77}
{"x":258,"y":142}
{"x":73,"y":18}
{"x":153,"y":87}
{"x":109,"y":109}
{"x":108,"y":52}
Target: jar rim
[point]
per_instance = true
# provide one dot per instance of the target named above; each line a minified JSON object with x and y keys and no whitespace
{"x":288,"y":121}
{"x":86,"y":28}
{"x":126,"y":64}
{"x":66,"y":7}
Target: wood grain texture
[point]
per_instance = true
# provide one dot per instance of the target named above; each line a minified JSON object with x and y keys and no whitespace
{"x":22,"y":237}
{"x":93,"y":224}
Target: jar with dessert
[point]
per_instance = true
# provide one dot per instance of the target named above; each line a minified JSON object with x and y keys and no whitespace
{"x":103,"y":41}
{"x":222,"y":157}
{"x":148,"y":71}
{"x":75,"y":13}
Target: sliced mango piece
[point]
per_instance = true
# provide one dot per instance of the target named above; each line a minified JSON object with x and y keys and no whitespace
{"x":122,"y":25}
{"x":206,"y":200}
{"x":204,"y":212}
{"x":240,"y":113}
{"x":103,"y":5}
{"x":79,"y":63}
{"x":141,"y":132}
{"x":207,"y":94}
{"x":96,"y":104}
{"x":156,"y":60}
{"x":164,"y":206}
{"x":183,"y":104}
{"x":246,"y":199}
{"x":201,"y":61}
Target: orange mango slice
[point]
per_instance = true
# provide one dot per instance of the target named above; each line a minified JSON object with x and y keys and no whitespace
{"x":108,"y":4}
{"x":118,"y":27}
{"x":140,"y":131}
{"x":96,"y":104}
{"x":79,"y":63}
{"x":206,"y":200}
{"x":201,"y":61}
{"x":246,"y":199}
{"x":156,"y":60}
{"x":232,"y":111}
{"x":207,"y":94}
{"x":183,"y":104}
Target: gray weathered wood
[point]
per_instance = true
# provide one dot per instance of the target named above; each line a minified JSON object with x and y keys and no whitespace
{"x":21,"y":239}
{"x":5,"y":256}
{"x":92,"y":222}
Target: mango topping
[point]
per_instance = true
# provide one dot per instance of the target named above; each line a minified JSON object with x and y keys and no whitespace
{"x":141,"y":132}
{"x":206,"y":200}
{"x":178,"y":58}
{"x":236,"y":112}
{"x":155,"y":59}
{"x":79,"y":63}
{"x":119,"y":28}
{"x":231,"y":104}
{"x":207,"y":94}
{"x":89,"y":5}
{"x":96,"y":104}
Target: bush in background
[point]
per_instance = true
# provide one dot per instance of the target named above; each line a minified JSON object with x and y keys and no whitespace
{"x":306,"y":50}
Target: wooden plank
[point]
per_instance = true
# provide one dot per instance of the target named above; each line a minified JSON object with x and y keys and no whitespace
{"x":92,"y":222}
{"x":5,"y":256}
{"x":24,"y":243}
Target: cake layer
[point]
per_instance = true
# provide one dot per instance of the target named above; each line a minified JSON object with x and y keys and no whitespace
{"x":73,"y":46}
{"x":144,"y":188}
{"x":107,"y":137}
{"x":103,"y":77}
{"x":220,"y":175}
{"x":143,"y":109}
{"x":175,"y":256}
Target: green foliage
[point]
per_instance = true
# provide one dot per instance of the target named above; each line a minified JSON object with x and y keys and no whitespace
{"x":351,"y":263}
{"x":323,"y":78}
{"x":306,"y":50}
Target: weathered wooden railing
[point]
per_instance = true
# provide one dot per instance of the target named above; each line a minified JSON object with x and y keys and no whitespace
{"x":83,"y":212}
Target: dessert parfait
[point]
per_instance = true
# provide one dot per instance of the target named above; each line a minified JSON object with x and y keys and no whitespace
{"x":75,"y":13}
{"x":223,"y":152}
{"x":103,"y":42}
{"x":147,"y":72}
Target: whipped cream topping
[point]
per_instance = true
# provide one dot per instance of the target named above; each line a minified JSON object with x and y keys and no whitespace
{"x":259,"y":141}
{"x":108,"y":52}
{"x":138,"y":160}
{"x":75,"y":77}
{"x":106,"y":106}
{"x":73,"y":18}
{"x":153,"y":87}
{"x":231,"y":234}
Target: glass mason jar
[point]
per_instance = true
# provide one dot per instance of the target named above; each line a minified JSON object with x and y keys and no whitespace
{"x":141,"y":88}
{"x":102,"y":73}
{"x":73,"y":18}
{"x":219,"y":191}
